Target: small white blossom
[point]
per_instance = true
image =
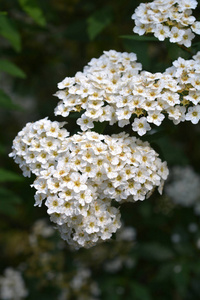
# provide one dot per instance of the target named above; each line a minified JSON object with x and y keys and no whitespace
{"x":141,"y":126}
{"x":193,"y":114}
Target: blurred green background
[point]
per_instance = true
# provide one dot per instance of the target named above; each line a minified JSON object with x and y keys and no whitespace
{"x":42,"y":42}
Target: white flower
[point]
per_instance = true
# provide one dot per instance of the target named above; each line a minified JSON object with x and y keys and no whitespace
{"x":162,"y":169}
{"x":171,"y":98}
{"x":187,"y":4}
{"x":85,"y":123}
{"x":140,"y":28}
{"x":176,"y":35}
{"x":77,"y":182}
{"x":155,"y":117}
{"x":141,"y":125}
{"x":123,"y":113}
{"x":67,"y":208}
{"x":40,"y":185}
{"x":196,"y":27}
{"x":142,"y":174}
{"x":193,"y":114}
{"x":195,"y":81}
{"x":54,"y":204}
{"x":67,"y":82}
{"x":193,"y":96}
{"x":162,"y":32}
{"x":177,"y":114}
{"x":54,"y":185}
{"x":93,"y":113}
{"x":187,"y":38}
{"x":85,"y":197}
{"x":39,"y":197}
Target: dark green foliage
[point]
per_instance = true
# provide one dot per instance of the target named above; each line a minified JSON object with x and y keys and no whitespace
{"x":9,"y":31}
{"x":41,"y":43}
{"x":31,"y":7}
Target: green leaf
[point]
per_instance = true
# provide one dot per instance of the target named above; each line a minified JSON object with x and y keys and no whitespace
{"x":32,"y":8}
{"x":10,"y":68}
{"x":8,"y":202}
{"x":2,"y":149}
{"x":164,"y":272}
{"x":171,"y":151}
{"x":155,"y":251}
{"x":6,"y":176}
{"x":175,"y":51}
{"x":181,"y":279}
{"x":155,"y":134}
{"x":142,"y":38}
{"x":139,"y":291}
{"x":6,"y":102}
{"x":9,"y":31}
{"x":99,"y":127}
{"x":76,"y":31}
{"x":142,"y":51}
{"x":75,"y":115}
{"x":98,"y":21}
{"x":3,"y":13}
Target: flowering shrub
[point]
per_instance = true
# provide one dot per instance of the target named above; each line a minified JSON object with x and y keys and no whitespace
{"x":141,"y":249}
{"x":80,"y":175}
{"x":167,"y":19}
{"x":113,"y":88}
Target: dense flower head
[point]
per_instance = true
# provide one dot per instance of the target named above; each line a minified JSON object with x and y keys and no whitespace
{"x":183,"y":186}
{"x":12,"y":285}
{"x":186,"y":74}
{"x":167,"y":19}
{"x":102,"y":90}
{"x":78,"y":177}
{"x":137,"y":97}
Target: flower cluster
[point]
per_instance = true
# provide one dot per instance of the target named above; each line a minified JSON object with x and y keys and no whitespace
{"x":167,"y":19}
{"x":103,"y":90}
{"x":110,"y":90}
{"x":12,"y":285}
{"x":81,"y":286}
{"x":79,"y":176}
{"x":186,"y":73}
{"x":183,"y":186}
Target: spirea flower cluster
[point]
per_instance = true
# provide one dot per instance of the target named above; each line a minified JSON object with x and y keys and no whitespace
{"x":187,"y":75}
{"x":167,"y":19}
{"x":102,"y":90}
{"x":112,"y":89}
{"x":79,"y":176}
{"x":81,"y":286}
{"x":12,"y":285}
{"x":183,"y":186}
